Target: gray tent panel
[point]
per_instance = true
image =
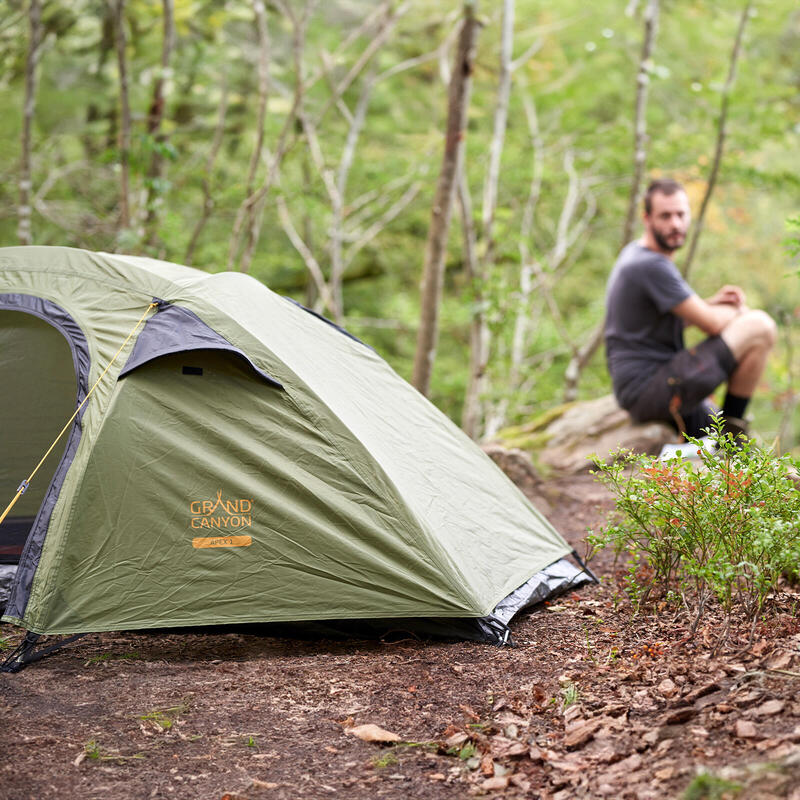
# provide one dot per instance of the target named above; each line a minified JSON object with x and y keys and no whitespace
{"x":177,"y":330}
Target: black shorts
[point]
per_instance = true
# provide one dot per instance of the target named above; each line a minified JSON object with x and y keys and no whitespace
{"x":677,"y":392}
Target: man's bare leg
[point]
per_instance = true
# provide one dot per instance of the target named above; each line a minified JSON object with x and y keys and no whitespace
{"x":750,"y":337}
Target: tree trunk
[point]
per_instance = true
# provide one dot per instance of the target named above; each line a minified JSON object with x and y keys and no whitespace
{"x":155,"y":115}
{"x":24,"y":228}
{"x":583,"y":355}
{"x":640,"y":124}
{"x":124,"y":133}
{"x":721,"y":134}
{"x":433,"y":271}
{"x":470,"y":415}
{"x":480,"y":338}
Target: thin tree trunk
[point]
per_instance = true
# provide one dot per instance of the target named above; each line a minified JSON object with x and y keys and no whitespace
{"x":208,"y":199}
{"x":248,"y":211}
{"x":583,"y":355}
{"x":640,"y":123}
{"x":479,"y":334}
{"x":433,"y":271}
{"x":24,"y":227}
{"x":721,"y":134}
{"x":155,"y":117}
{"x":470,"y":415}
{"x":124,"y":133}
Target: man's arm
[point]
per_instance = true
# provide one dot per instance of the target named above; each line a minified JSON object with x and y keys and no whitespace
{"x":711,"y":316}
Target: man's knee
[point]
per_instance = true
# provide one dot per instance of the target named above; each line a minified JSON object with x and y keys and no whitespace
{"x":752,"y":328}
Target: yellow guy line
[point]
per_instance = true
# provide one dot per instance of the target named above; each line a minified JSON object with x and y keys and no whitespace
{"x":24,"y":485}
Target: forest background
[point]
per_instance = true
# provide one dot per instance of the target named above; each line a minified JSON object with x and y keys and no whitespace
{"x":303,"y":142}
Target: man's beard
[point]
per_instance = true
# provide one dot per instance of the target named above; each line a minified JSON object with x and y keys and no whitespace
{"x":663,"y":242}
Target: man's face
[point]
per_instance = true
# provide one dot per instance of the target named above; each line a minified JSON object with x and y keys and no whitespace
{"x":668,"y":220}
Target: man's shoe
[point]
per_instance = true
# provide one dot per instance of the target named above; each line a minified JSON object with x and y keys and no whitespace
{"x":736,"y":427}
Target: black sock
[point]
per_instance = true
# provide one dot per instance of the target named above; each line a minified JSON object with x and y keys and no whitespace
{"x":734,"y":406}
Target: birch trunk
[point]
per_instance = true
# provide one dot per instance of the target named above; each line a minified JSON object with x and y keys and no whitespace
{"x":433,"y":271}
{"x":480,"y":339}
{"x":24,"y":227}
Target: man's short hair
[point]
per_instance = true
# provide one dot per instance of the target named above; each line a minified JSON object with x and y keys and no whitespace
{"x":666,"y":186}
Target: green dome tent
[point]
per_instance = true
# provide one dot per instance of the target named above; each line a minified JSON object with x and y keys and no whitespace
{"x":241,"y":460}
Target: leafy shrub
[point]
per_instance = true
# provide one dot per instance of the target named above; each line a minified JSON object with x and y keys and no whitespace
{"x":723,"y":527}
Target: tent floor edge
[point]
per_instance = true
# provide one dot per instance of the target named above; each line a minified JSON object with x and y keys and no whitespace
{"x":24,"y":653}
{"x":556,"y":579}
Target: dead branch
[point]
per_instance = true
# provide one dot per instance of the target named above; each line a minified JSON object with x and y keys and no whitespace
{"x":256,"y":200}
{"x":380,"y":224}
{"x":311,"y":263}
{"x":208,"y":199}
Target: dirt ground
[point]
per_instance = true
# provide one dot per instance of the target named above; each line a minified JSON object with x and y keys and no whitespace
{"x":590,"y":703}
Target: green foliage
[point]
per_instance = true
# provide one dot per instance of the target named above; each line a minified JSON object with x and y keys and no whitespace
{"x":165,"y":718}
{"x":726,"y":527}
{"x":388,"y":759}
{"x":709,"y":787}
{"x":570,"y":695}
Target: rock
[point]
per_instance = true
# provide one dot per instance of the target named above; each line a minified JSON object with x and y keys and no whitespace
{"x":565,"y":438}
{"x":518,"y":467}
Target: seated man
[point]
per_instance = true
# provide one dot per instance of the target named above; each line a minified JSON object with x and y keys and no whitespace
{"x":648,"y":304}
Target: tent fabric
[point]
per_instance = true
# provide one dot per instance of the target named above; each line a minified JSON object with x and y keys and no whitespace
{"x":177,"y":330}
{"x":243,"y":461}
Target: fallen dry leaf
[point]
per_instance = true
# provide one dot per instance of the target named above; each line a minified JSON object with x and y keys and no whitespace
{"x":665,"y":773}
{"x":487,"y":765}
{"x":667,"y":688}
{"x":581,"y":732}
{"x":372,"y":733}
{"x":456,"y":740}
{"x":769,"y":708}
{"x":469,"y":712}
{"x":502,"y":747}
{"x":745,"y":729}
{"x":495,"y":783}
{"x":679,"y":715}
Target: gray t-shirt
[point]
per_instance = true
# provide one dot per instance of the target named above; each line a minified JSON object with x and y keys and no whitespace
{"x":641,"y":333}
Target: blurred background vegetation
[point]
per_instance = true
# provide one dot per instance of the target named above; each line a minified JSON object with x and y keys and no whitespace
{"x":355,"y":101}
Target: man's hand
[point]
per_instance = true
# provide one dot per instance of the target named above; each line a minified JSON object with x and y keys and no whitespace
{"x":712,"y":315}
{"x":728,"y":296}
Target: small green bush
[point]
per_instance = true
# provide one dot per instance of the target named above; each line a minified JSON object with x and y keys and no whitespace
{"x":723,"y":527}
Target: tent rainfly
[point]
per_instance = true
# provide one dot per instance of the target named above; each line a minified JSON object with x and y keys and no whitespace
{"x":235,"y":458}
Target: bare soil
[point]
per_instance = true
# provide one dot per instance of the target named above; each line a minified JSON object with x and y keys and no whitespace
{"x":591,"y":702}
